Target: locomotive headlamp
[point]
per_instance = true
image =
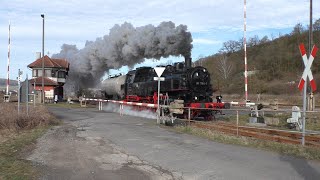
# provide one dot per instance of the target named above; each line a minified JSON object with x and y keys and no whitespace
{"x":196,"y":98}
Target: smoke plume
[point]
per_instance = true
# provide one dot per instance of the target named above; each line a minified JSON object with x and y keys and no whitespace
{"x":124,"y":46}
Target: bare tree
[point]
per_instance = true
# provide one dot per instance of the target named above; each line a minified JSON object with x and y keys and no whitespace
{"x":230,"y":46}
{"x":253,"y":41}
{"x":264,"y":40}
{"x":316,"y":25}
{"x":273,"y":37}
{"x":297,"y":29}
{"x":240,"y":44}
{"x":224,"y":67}
{"x":199,"y":61}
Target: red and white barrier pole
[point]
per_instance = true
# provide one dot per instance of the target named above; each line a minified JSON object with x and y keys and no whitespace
{"x":245,"y":50}
{"x":7,"y":90}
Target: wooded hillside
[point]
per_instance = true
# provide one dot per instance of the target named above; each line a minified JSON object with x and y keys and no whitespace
{"x":3,"y":82}
{"x":275,"y":65}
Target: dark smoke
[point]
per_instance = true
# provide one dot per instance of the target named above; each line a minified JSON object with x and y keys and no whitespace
{"x":124,"y":46}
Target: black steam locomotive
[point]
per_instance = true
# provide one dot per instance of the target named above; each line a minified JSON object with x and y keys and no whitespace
{"x":192,"y":85}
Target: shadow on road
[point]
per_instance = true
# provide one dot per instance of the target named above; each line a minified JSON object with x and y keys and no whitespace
{"x":302,"y":167}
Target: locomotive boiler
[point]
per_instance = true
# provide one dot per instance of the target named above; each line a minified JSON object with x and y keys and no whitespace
{"x":190,"y":85}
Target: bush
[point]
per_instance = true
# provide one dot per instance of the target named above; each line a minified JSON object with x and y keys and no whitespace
{"x":37,"y":116}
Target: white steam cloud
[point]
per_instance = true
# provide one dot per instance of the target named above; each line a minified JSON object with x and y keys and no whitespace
{"x":124,"y":46}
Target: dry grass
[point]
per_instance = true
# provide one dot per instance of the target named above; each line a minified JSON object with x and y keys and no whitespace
{"x":17,"y":133}
{"x":37,"y":116}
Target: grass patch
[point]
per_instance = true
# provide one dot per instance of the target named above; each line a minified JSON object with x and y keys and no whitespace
{"x":313,"y":121}
{"x":12,"y":166}
{"x":243,"y":119}
{"x":17,"y":134}
{"x":311,"y":153}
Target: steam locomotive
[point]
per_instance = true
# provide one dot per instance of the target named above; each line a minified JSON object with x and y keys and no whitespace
{"x":183,"y":86}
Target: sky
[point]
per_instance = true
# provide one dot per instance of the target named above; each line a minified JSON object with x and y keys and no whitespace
{"x":75,"y":21}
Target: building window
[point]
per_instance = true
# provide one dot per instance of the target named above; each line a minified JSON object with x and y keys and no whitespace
{"x":34,"y":73}
{"x":54,"y":73}
{"x":61,"y":74}
{"x":47,"y":73}
{"x":39,"y":72}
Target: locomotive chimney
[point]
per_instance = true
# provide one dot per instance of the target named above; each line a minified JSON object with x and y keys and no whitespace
{"x":187,"y":62}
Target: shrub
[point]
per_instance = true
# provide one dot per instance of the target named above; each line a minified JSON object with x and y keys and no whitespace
{"x":37,"y":116}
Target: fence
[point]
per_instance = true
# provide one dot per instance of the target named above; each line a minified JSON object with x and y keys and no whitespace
{"x":261,"y":124}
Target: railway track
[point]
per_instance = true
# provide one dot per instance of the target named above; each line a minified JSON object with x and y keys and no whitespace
{"x":282,"y":136}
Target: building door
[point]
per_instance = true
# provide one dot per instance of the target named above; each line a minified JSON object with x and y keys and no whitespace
{"x":59,"y":91}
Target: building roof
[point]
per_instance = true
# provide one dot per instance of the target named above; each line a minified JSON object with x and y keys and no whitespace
{"x":50,"y":63}
{"x":46,"y":81}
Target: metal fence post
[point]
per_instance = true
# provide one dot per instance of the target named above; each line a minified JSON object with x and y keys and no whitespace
{"x":189,"y":116}
{"x":237,"y":123}
{"x":19,"y":78}
{"x":27,"y":94}
{"x":158,"y":108}
{"x":162,"y":116}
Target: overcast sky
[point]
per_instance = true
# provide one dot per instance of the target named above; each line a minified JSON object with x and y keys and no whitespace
{"x":211,"y":23}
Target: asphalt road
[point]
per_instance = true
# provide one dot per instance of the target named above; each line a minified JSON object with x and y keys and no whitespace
{"x":105,"y":145}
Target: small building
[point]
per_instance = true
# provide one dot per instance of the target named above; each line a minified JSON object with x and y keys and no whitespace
{"x":55,"y":74}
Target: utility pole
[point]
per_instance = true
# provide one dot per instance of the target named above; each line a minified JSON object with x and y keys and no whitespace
{"x":306,"y":82}
{"x":42,"y":15}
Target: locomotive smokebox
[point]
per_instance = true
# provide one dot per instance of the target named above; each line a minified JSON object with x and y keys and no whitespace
{"x":187,"y":62}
